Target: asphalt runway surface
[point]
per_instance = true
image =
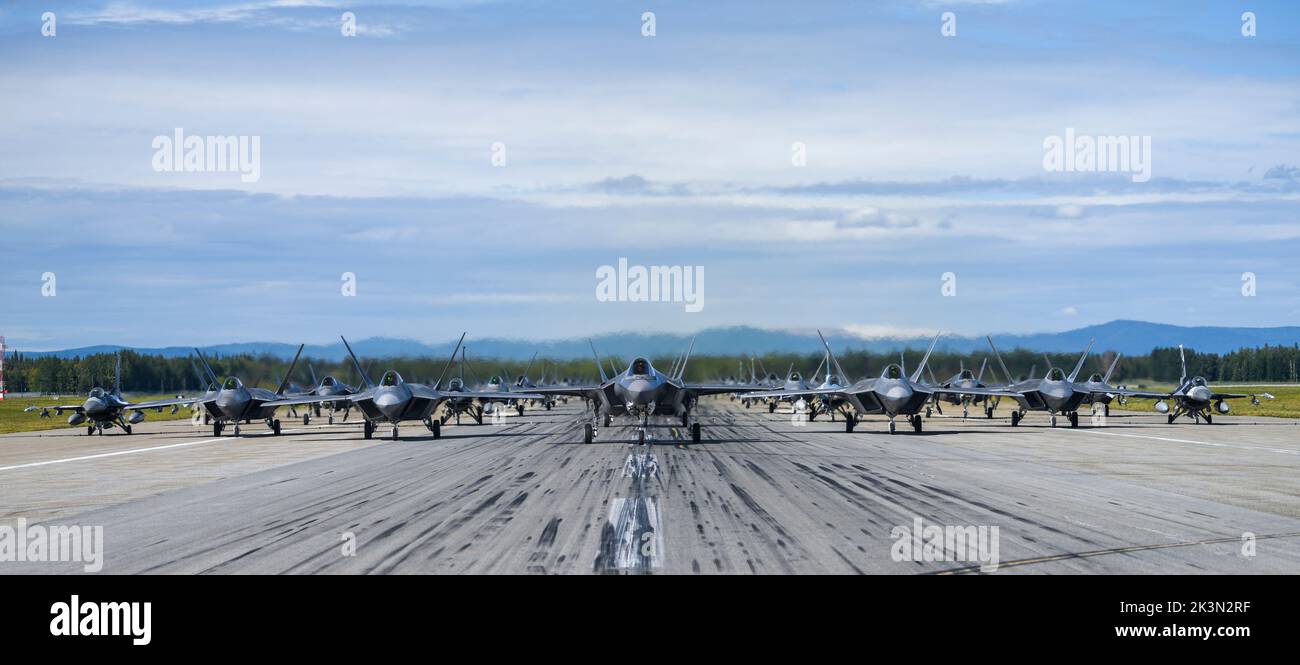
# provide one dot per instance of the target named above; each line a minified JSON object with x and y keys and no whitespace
{"x":763,"y":493}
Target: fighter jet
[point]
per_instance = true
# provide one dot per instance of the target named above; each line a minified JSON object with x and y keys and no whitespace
{"x":953,"y":391}
{"x":106,"y":409}
{"x":793,"y":390}
{"x":523,"y":383}
{"x":329,"y":387}
{"x":826,"y":402}
{"x":639,"y":392}
{"x":893,"y":393}
{"x":494,"y":394}
{"x":393,"y":400}
{"x":768,"y":380}
{"x":1193,"y":397}
{"x":234,"y":402}
{"x":1100,"y":390}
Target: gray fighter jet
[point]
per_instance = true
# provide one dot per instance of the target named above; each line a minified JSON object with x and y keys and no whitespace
{"x":329,"y":387}
{"x":234,"y":402}
{"x":794,"y":389}
{"x":893,"y":393}
{"x":1194,"y":398}
{"x":639,"y":392}
{"x":1055,"y":393}
{"x":953,"y":391}
{"x":1100,"y":390}
{"x":105,"y":409}
{"x":393,"y":400}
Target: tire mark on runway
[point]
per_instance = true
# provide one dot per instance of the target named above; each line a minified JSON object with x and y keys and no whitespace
{"x":1114,"y":550}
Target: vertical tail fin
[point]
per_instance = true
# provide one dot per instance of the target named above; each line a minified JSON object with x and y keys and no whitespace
{"x":916,"y":376}
{"x":843,"y":376}
{"x":681,"y":371}
{"x":599,"y":365}
{"x":1183,"y":360}
{"x":1006,"y":372}
{"x":357,"y":364}
{"x":1082,"y":359}
{"x":1109,"y":372}
{"x":284,"y":383}
{"x":212,"y":376}
{"x":117,"y":375}
{"x":979,"y":378}
{"x":450,"y":359}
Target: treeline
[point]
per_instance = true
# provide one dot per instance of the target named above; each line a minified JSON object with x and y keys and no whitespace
{"x":163,"y":375}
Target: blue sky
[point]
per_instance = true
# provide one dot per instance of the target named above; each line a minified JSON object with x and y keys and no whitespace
{"x":924,"y":156}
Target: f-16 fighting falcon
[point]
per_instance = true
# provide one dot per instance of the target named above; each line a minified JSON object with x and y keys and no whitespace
{"x":641,"y":391}
{"x":893,"y":393}
{"x":235,"y":402}
{"x":393,"y":400}
{"x":1193,"y":397}
{"x":105,"y":409}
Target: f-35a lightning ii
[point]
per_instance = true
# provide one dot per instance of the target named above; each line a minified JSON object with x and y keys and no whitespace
{"x":639,"y":392}
{"x":106,"y":409}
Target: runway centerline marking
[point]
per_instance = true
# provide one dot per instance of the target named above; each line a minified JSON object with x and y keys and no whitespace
{"x":1172,"y":440}
{"x":131,"y":451}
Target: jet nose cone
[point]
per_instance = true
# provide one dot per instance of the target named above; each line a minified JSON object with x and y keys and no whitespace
{"x":1200,"y":394}
{"x":895,"y":397}
{"x":94,"y":406}
{"x":640,"y":392}
{"x":390,"y":403}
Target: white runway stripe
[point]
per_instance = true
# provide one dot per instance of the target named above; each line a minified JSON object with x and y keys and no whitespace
{"x":1170,"y":440}
{"x":131,"y":451}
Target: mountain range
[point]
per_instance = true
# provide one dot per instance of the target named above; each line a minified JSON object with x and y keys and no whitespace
{"x":1128,"y":337}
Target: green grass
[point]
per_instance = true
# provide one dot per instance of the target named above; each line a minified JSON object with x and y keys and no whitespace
{"x":1286,"y":404}
{"x":12,"y":418}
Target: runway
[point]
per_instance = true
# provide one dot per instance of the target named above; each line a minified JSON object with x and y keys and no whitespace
{"x":763,"y":493}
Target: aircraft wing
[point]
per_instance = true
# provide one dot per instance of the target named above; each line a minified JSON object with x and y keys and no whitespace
{"x":1254,"y":396}
{"x":987,"y":392}
{"x":159,"y":403}
{"x":718,"y":388}
{"x":788,"y":393}
{"x":568,"y":391}
{"x":60,"y":409}
{"x":499,"y":396}
{"x":1140,"y":394}
{"x":305,"y":399}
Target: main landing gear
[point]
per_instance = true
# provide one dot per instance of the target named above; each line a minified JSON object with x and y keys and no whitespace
{"x":434,"y":425}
